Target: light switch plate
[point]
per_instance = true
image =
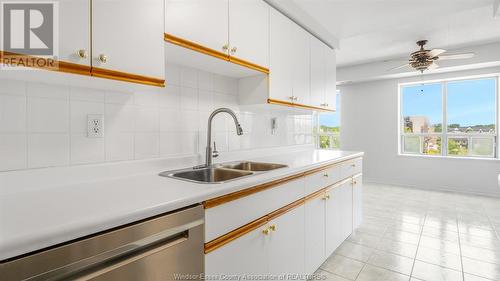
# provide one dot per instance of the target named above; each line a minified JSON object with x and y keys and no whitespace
{"x":95,"y":125}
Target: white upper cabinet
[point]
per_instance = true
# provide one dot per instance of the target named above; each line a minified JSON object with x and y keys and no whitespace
{"x":249,"y":31}
{"x":281,"y":54}
{"x":74,"y":31}
{"x":301,"y":65}
{"x":127,"y":36}
{"x":323,"y":75}
{"x":200,"y":21}
{"x":318,"y":72}
{"x":331,"y":79}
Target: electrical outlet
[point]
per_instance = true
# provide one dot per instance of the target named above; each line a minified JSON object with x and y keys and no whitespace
{"x":95,"y":125}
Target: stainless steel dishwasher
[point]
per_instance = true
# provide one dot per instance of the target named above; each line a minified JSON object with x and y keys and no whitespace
{"x":166,"y":247}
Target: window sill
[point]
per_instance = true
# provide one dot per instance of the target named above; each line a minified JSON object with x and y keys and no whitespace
{"x":447,"y":157}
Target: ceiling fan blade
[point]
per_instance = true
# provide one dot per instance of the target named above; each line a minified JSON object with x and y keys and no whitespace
{"x":456,"y":56}
{"x":436,"y":52}
{"x":398,"y":67}
{"x":433,"y":66}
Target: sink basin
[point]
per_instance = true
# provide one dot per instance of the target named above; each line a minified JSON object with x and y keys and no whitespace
{"x":253,"y":166}
{"x":207,"y":175}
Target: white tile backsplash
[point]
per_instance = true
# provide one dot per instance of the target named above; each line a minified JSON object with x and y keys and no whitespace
{"x":43,"y":125}
{"x":86,"y":150}
{"x":12,"y":113}
{"x":48,"y":115}
{"x":46,"y":150}
{"x":12,"y":151}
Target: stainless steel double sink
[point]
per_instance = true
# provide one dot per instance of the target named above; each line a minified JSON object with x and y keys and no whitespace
{"x":221,"y":173}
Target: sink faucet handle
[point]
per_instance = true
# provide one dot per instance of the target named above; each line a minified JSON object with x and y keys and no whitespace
{"x":215,"y":153}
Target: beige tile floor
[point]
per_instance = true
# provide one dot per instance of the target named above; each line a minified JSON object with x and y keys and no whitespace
{"x":411,"y":234}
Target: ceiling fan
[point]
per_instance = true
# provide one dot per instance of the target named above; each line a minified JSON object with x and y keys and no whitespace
{"x":423,"y":59}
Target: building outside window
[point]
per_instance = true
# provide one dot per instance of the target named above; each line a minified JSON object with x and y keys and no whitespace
{"x":454,"y":118}
{"x":327,"y":131}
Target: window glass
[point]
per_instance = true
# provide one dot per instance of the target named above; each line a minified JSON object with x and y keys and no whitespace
{"x":422,"y":108}
{"x":471,"y":106}
{"x":450,"y":118}
{"x":328,"y":134}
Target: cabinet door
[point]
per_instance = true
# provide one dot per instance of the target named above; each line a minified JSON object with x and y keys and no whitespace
{"x":318,"y":73}
{"x":314,"y":233}
{"x":249,"y":31}
{"x":286,"y":243}
{"x":357,"y":202}
{"x":281,"y":54}
{"x":129,"y":33}
{"x":301,"y":65}
{"x":333,"y":221}
{"x":331,"y":78}
{"x":199,"y":21}
{"x":345,"y":195}
{"x":74,"y":31}
{"x":244,"y":255}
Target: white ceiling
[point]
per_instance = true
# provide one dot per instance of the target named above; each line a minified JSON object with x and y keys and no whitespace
{"x":373,"y":30}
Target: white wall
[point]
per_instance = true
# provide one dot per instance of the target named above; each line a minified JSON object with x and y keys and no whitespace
{"x":370,"y":124}
{"x":44,"y":125}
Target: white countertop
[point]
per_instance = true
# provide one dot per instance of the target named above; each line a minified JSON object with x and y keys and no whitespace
{"x":35,"y":218}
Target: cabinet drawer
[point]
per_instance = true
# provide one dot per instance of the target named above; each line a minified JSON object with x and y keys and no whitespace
{"x":231,"y":215}
{"x":322,"y":179}
{"x":351,"y":167}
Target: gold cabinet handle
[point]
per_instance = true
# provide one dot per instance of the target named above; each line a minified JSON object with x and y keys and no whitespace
{"x":225,"y":47}
{"x":354,"y":182}
{"x":294,"y":98}
{"x":82,"y":53}
{"x":324,"y":105}
{"x":265,"y":231}
{"x":325,"y":175}
{"x":326,"y":197}
{"x":233,"y":50}
{"x":103,"y":58}
{"x":272,"y":227}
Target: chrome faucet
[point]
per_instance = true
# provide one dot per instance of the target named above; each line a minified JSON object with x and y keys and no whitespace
{"x":213,"y":153}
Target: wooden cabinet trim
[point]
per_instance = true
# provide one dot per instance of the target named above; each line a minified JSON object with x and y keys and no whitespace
{"x":214,"y":202}
{"x":127,"y":77}
{"x":60,"y":66}
{"x":298,"y":105}
{"x":213,"y":53}
{"x":230,"y":236}
{"x":195,"y":47}
{"x":210,"y":203}
{"x":248,"y":64}
{"x":74,"y":68}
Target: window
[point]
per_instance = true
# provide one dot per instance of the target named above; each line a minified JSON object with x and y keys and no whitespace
{"x":328,"y":128}
{"x":450,"y":118}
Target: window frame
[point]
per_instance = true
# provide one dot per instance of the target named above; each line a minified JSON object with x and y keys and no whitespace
{"x":444,"y":134}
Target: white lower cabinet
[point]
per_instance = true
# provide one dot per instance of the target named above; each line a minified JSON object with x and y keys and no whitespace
{"x":246,"y":255}
{"x":294,"y":240}
{"x":357,"y":201}
{"x":286,"y":243}
{"x":275,"y":248}
{"x":314,"y":233}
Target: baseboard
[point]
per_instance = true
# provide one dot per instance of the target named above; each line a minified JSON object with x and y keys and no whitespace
{"x":432,"y":188}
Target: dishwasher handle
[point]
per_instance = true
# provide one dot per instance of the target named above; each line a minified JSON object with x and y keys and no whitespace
{"x":107,"y":261}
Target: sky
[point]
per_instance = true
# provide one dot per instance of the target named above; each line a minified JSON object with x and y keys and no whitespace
{"x":468,"y":102}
